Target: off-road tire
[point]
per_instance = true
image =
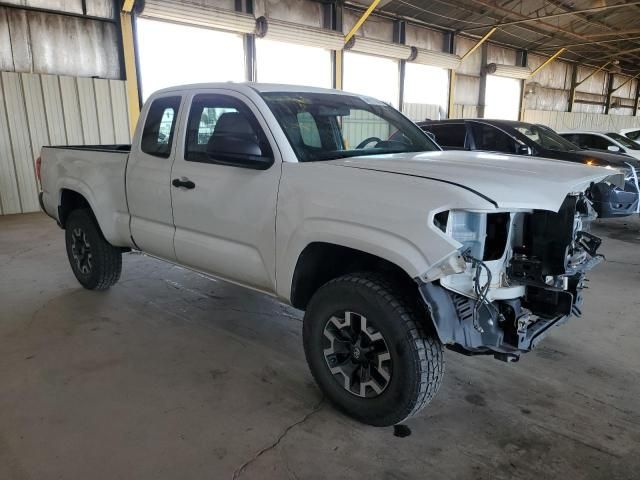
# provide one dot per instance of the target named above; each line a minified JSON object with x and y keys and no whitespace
{"x":103,"y":268}
{"x":416,"y":353}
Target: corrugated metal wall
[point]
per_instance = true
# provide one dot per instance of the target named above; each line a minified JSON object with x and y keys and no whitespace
{"x":38,"y":42}
{"x":423,"y":111}
{"x":581,"y":121}
{"x":37,"y":110}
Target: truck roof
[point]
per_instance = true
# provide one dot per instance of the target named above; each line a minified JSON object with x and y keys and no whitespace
{"x":257,"y":87}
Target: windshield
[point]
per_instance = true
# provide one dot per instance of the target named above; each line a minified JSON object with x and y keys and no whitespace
{"x":326,"y":126}
{"x":546,"y":138}
{"x":624,"y":141}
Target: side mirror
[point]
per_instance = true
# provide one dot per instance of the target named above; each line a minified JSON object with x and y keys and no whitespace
{"x":614,"y":148}
{"x":238,"y":150}
{"x":523,"y":149}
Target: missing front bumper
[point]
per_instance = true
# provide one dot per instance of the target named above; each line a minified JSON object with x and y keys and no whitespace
{"x":500,"y":331}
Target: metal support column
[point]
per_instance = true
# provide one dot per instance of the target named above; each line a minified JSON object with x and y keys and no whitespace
{"x":483,"y":82}
{"x":572,"y":91}
{"x":450,"y":46}
{"x":249,"y":42}
{"x":131,"y":70}
{"x":399,"y":29}
{"x":607,"y":102}
{"x":637,"y":99}
{"x":521,"y":60}
{"x":333,"y":20}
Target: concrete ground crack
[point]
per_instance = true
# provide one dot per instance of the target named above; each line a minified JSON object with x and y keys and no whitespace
{"x":284,"y":433}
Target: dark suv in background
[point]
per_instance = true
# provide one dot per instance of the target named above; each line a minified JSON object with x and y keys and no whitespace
{"x":520,"y":138}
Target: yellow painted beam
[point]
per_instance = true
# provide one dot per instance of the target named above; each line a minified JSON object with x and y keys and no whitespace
{"x":131,"y":74}
{"x":361,"y":20}
{"x":624,"y":83}
{"x":477,"y":45}
{"x":127,"y":6}
{"x":547,"y":61}
{"x":592,"y":74}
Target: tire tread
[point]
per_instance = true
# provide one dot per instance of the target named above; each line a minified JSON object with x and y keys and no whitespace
{"x":107,"y":258}
{"x":430,"y":356}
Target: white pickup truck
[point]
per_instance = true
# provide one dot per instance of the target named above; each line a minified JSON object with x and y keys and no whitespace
{"x":392,"y":247}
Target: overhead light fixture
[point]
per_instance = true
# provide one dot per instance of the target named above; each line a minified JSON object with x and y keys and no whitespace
{"x":199,"y":15}
{"x":380,"y":48}
{"x":509,"y":71}
{"x":436,"y":59}
{"x":282,"y":31}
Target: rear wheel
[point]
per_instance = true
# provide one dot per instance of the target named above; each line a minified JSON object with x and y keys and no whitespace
{"x":95,"y":262}
{"x":368,"y":351}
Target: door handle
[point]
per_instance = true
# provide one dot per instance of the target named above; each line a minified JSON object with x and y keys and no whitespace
{"x":183,"y":183}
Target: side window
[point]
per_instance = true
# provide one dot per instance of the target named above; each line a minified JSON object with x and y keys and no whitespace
{"x":594,"y":141}
{"x":489,"y":138}
{"x":309,"y":130}
{"x":449,"y":136}
{"x":604,"y":143}
{"x":157,"y":135}
{"x":635,"y":135}
{"x":583,"y":141}
{"x":222,"y":129}
{"x":571,"y":138}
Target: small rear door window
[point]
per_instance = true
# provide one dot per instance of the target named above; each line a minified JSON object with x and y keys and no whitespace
{"x":159,"y":127}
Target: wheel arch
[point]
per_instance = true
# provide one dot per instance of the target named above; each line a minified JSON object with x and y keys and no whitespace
{"x":70,"y":200}
{"x":320,"y":262}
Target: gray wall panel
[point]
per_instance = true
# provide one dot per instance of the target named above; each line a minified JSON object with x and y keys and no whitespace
{"x":37,"y":110}
{"x":9,"y":195}
{"x":104,"y":111}
{"x":19,"y":42}
{"x":38,"y":42}
{"x":88,"y":111}
{"x":71,"y":111}
{"x":20,"y":141}
{"x":53,"y":109}
{"x":119,"y":108}
{"x":6,"y":57}
{"x":34,"y":103}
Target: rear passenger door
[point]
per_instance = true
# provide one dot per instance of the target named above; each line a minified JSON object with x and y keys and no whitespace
{"x":224,"y":209}
{"x":148,"y":177}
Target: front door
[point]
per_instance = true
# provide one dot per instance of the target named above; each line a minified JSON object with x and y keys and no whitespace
{"x":225,"y":183}
{"x":148,"y":179}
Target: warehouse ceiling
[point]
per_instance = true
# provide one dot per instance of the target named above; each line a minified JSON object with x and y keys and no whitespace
{"x":594,"y":32}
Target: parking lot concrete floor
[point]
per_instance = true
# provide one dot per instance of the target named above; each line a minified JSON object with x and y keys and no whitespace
{"x":171,"y":375}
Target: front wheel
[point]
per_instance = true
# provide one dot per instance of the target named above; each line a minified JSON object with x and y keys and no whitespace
{"x":368,"y":351}
{"x":95,"y":262}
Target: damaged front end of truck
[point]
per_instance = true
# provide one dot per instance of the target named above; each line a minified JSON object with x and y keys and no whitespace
{"x":514,"y":276}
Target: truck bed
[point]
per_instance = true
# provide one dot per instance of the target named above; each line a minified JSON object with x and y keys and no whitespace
{"x":97,"y":172}
{"x":122,"y":147}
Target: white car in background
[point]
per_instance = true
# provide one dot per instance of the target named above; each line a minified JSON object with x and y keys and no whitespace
{"x":632,"y":133}
{"x":613,"y":142}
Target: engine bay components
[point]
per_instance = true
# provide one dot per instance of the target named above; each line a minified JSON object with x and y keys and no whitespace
{"x":524,"y":274}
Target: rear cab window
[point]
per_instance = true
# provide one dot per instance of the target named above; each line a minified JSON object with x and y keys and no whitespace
{"x":159,"y":126}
